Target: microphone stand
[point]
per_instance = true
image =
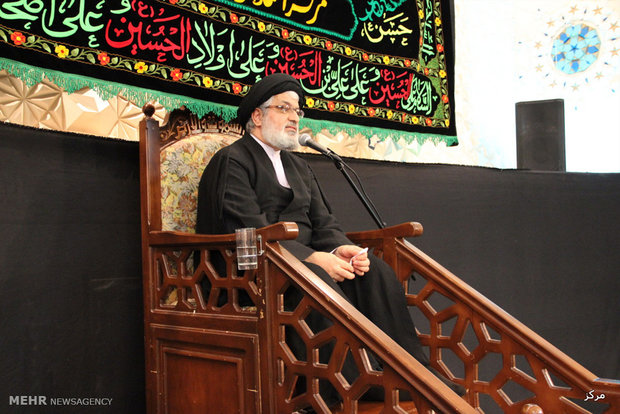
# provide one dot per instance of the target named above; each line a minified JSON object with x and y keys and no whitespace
{"x":363,"y":197}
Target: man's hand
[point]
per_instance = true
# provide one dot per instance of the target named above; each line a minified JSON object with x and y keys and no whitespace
{"x":356,"y":256}
{"x":344,"y":263}
{"x":335,"y":267}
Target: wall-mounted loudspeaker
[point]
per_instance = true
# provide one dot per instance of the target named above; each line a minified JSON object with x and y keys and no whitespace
{"x":540,"y":135}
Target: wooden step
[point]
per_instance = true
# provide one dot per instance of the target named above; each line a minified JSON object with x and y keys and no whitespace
{"x":371,"y":407}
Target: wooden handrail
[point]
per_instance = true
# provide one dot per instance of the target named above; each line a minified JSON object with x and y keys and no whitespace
{"x":479,"y":308}
{"x":408,"y":229}
{"x":501,"y":320}
{"x":278,"y":231}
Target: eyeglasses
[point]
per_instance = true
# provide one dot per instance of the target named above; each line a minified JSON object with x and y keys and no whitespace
{"x":286,"y":108}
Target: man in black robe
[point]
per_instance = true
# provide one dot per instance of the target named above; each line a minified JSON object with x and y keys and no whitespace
{"x":256,"y":182}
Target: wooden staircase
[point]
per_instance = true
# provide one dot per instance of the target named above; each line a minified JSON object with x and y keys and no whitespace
{"x":205,"y":346}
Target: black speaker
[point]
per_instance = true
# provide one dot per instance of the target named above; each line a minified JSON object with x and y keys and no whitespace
{"x":540,"y":135}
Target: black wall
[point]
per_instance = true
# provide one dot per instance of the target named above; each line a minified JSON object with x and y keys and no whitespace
{"x":541,"y":245}
{"x":70,"y":271}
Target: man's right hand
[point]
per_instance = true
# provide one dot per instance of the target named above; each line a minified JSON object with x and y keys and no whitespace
{"x":335,"y":267}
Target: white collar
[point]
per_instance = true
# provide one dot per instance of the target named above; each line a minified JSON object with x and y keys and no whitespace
{"x":271,"y":152}
{"x":274,"y":156}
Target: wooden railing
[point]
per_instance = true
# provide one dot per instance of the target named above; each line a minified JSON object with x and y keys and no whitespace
{"x":462,"y":326}
{"x":503,"y":364}
{"x":181,"y":263}
{"x":349,"y":335}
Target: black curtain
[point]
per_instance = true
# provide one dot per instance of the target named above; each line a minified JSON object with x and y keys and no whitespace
{"x":70,"y":271}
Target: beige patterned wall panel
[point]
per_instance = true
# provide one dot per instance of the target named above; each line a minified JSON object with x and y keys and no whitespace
{"x":48,"y":106}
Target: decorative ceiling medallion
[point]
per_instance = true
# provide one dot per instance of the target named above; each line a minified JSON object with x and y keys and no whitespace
{"x":576,"y":48}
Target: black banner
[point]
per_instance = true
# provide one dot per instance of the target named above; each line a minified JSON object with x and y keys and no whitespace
{"x":381,"y":63}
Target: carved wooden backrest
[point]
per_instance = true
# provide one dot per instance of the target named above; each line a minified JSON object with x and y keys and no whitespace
{"x":193,"y":337}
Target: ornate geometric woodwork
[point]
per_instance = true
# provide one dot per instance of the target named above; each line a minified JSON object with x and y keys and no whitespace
{"x":505,"y":366}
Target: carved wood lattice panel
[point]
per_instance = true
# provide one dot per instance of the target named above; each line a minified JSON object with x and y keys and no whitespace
{"x":196,"y":281}
{"x":320,"y":361}
{"x":500,"y":374}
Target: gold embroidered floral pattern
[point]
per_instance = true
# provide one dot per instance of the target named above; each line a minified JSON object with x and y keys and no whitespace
{"x":182,"y":165}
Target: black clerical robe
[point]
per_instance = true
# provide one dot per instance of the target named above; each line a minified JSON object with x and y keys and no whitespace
{"x":239,"y":188}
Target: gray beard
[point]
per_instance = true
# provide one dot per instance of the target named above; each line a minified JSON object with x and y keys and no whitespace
{"x":284,"y":144}
{"x":280,"y":140}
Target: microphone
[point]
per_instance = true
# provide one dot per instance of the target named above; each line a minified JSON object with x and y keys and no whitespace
{"x":307,"y":141}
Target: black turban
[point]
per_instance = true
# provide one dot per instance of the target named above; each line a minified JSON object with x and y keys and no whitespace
{"x":263,"y":90}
